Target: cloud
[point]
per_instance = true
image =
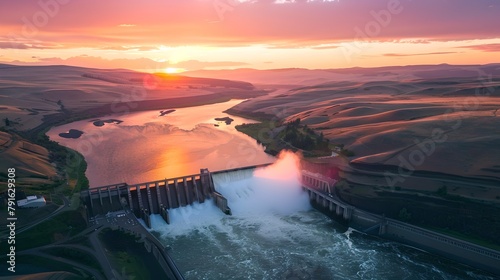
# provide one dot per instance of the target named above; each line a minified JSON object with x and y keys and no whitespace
{"x":129,"y":48}
{"x":135,"y":63}
{"x":13,"y":45}
{"x":195,"y":64}
{"x":325,"y":47}
{"x":284,"y":1}
{"x":25,"y":46}
{"x":185,"y":22}
{"x":302,"y":44}
{"x":413,"y":41}
{"x":484,"y":48}
{"x":416,"y":54}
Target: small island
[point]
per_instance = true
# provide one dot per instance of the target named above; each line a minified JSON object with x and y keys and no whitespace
{"x":227,"y":120}
{"x":72,"y":134}
{"x":102,"y":122}
{"x":166,"y":112}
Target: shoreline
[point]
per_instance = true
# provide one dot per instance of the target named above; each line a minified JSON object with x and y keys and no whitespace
{"x":123,"y":108}
{"x":213,"y":106}
{"x":37,"y":134}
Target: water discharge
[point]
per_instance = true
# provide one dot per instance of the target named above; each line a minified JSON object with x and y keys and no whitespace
{"x":274,"y":189}
{"x":274,"y":234}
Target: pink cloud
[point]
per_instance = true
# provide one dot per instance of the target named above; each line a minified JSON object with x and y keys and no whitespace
{"x":137,"y":63}
{"x":484,"y":48}
{"x":416,"y":54}
{"x":93,"y":23}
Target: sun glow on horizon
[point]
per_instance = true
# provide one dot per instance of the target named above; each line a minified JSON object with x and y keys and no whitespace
{"x":173,"y":70}
{"x":180,"y":35}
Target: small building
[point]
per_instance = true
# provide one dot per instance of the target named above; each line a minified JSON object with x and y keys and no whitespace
{"x":31,"y":201}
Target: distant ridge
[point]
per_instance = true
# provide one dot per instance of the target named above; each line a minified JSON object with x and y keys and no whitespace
{"x":303,"y":77}
{"x":116,"y":76}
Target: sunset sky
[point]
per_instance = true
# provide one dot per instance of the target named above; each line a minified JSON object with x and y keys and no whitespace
{"x":155,"y":35}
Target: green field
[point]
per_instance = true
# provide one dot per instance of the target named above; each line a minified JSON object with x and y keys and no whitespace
{"x":58,"y":228}
{"x":129,"y":257}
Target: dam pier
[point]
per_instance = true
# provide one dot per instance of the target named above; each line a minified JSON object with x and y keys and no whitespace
{"x":155,"y":197}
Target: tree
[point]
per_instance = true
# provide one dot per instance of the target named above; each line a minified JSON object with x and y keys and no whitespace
{"x":290,"y":135}
{"x":347,"y":153}
{"x":308,"y":143}
{"x":321,"y":138}
{"x":7,"y":122}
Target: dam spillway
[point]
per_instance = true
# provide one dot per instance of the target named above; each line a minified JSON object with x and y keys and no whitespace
{"x":274,"y":234}
{"x":155,"y":197}
{"x":253,"y":200}
{"x":160,"y":196}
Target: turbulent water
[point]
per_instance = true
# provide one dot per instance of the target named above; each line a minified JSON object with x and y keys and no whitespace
{"x":274,"y":234}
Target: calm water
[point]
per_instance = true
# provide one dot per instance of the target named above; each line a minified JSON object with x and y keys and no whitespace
{"x":148,"y":147}
{"x":273,"y":233}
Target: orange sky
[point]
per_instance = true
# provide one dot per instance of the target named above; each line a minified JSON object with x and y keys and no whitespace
{"x":154,"y":35}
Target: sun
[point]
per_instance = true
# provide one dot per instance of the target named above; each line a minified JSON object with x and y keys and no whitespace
{"x":173,"y":70}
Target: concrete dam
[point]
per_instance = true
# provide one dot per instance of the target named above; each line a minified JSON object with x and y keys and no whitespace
{"x":155,"y":197}
{"x":158,"y":197}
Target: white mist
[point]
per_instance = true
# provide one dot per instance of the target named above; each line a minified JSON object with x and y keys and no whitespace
{"x":264,"y":194}
{"x":274,"y":189}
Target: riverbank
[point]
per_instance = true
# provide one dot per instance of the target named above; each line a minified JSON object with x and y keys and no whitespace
{"x":176,"y":144}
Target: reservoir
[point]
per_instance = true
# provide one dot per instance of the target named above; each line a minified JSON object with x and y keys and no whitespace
{"x":146,"y":146}
{"x":273,"y":232}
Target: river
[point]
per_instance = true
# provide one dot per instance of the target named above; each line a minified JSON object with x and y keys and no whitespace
{"x":146,"y":146}
{"x":273,"y":232}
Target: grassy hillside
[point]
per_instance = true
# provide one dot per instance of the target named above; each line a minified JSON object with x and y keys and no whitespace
{"x":31,"y":161}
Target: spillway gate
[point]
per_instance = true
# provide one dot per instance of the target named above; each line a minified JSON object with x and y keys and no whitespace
{"x":155,"y":197}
